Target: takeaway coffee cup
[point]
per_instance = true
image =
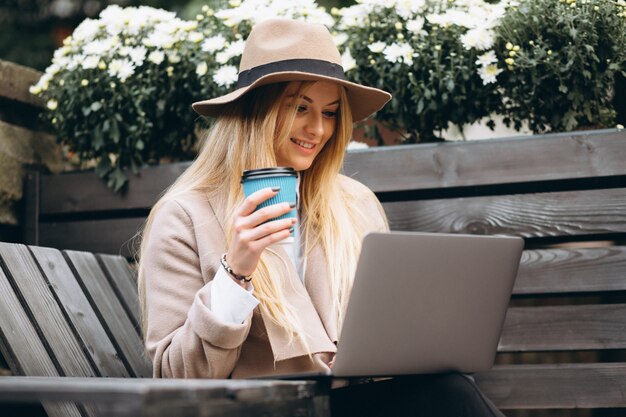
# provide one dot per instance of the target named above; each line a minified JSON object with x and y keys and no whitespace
{"x":283,"y":177}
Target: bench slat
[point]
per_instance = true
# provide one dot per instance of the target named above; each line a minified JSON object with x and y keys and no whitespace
{"x":599,"y":385}
{"x":97,"y":236}
{"x":573,"y":327}
{"x":23,"y":349}
{"x":16,"y":80}
{"x":41,"y":302}
{"x":111,"y":310}
{"x":123,"y":279}
{"x":528,"y":215}
{"x":572,"y":270}
{"x":499,"y":161}
{"x":77,"y":192}
{"x":80,"y":312}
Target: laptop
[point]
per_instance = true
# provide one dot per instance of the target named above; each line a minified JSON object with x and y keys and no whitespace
{"x":426,"y":303}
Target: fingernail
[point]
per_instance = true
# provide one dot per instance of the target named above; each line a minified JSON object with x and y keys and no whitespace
{"x":291,"y":229}
{"x":276,"y":189}
{"x":292,"y":205}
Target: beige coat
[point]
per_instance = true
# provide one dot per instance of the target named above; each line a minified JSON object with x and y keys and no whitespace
{"x":186,"y":340}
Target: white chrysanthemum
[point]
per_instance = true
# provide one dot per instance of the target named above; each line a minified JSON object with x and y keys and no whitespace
{"x":347,"y":61}
{"x":231,"y":51}
{"x":354,"y":16}
{"x":340,"y":38}
{"x":225,"y":76}
{"x":453,"y":17}
{"x":487,"y":58}
{"x":101,"y":47}
{"x":137,"y":55}
{"x":201,"y":69}
{"x":399,"y":52}
{"x":213,"y":44}
{"x":86,"y":31}
{"x":90,"y":62}
{"x":415,"y":25}
{"x":113,"y":13}
{"x":409,"y":8}
{"x":121,"y":68}
{"x":195,"y":37}
{"x":488,"y":73}
{"x":354,"y":145}
{"x":257,"y":10}
{"x":377,"y":47}
{"x":173,"y":57}
{"x":159,"y":40}
{"x":156,"y":57}
{"x":479,"y":39}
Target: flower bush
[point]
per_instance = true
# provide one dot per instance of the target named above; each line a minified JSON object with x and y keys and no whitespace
{"x":562,"y":57}
{"x":436,"y":57}
{"x":119,"y":91}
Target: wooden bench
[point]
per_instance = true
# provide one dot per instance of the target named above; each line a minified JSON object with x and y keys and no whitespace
{"x":565,"y":334}
{"x":71,"y":317}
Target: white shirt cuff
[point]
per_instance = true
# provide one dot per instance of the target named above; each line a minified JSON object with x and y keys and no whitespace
{"x":229,"y":301}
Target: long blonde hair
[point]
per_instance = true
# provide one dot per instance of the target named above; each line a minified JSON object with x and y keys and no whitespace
{"x":246,"y":136}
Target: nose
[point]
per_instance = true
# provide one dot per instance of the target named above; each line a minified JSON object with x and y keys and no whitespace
{"x":315,"y":124}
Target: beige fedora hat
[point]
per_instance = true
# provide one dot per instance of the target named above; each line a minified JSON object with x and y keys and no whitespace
{"x":279,"y":50}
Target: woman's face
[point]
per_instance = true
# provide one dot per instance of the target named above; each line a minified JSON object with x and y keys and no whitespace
{"x":313,"y":126}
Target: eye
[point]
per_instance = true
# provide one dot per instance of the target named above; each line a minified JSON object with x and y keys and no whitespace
{"x":301,"y":108}
{"x":330,"y":114}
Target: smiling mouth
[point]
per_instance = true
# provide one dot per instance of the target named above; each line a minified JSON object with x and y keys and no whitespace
{"x":305,"y":145}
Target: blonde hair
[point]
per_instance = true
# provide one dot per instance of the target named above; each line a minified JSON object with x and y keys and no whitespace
{"x":247,"y":136}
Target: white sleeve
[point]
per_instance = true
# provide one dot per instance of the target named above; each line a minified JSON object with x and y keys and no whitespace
{"x":229,"y":301}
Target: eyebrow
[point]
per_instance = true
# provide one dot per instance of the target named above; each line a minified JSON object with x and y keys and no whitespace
{"x":311,"y":101}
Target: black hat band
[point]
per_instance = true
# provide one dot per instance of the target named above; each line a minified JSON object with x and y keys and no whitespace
{"x":311,"y":66}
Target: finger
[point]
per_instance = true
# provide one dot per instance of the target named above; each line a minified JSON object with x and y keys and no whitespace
{"x":273,"y":238}
{"x":266,"y":214}
{"x":251,"y":202}
{"x":269,"y":228}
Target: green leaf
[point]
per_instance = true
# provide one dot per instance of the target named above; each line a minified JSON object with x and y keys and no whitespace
{"x":103,"y":167}
{"x":115,"y":131}
{"x":117,"y":179}
{"x":97,"y":140}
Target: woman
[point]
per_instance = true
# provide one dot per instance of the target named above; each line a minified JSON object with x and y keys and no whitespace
{"x":224,"y":292}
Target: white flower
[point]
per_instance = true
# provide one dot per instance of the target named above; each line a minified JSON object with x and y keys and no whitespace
{"x":488,"y":73}
{"x":156,"y":57}
{"x":340,"y":38}
{"x":347,"y":61}
{"x":479,"y":39}
{"x":377,"y":47}
{"x":231,"y":51}
{"x":90,"y":62}
{"x":452,"y":17}
{"x":225,"y":76}
{"x":354,"y":145}
{"x":100,"y":47}
{"x":487,"y":58}
{"x":86,"y":31}
{"x":415,"y":25}
{"x":195,"y":37}
{"x":213,"y":43}
{"x":174,"y":58}
{"x":201,"y":69}
{"x":121,"y":68}
{"x":159,"y":40}
{"x":399,"y":52}
{"x":52,"y":104}
{"x":137,"y":55}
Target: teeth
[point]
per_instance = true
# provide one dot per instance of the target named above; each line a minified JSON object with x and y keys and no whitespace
{"x":303,"y":144}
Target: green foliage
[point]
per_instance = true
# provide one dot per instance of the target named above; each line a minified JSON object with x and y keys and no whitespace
{"x":563,"y":58}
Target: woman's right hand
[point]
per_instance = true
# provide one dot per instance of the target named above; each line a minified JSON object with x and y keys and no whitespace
{"x":251,"y":234}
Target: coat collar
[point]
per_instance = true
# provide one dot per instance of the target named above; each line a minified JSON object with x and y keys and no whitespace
{"x":312,"y":301}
